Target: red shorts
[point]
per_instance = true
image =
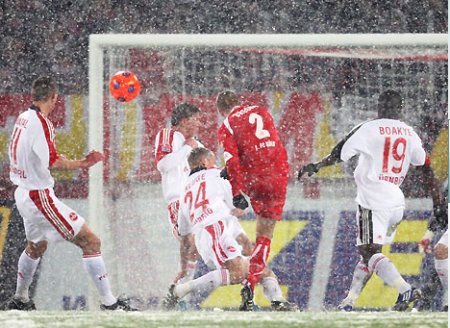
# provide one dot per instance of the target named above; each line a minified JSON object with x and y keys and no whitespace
{"x":267,"y":194}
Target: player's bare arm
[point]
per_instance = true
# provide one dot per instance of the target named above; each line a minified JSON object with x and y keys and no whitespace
{"x":92,"y":158}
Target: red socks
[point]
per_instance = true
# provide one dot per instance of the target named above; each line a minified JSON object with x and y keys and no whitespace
{"x":258,"y":260}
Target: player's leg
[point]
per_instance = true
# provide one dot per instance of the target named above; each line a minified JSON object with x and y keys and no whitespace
{"x":220,"y":251}
{"x":430,"y":283}
{"x":233,"y":272}
{"x":94,"y":264}
{"x":26,"y":268}
{"x":35,"y":226}
{"x":72,"y":227}
{"x":269,"y":280}
{"x":374,"y":228}
{"x":441,"y":265}
{"x":173,"y":209}
{"x":267,"y":195}
{"x":361,"y":276}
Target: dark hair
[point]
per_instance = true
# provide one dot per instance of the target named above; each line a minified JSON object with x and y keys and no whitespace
{"x":43,"y":88}
{"x":196,"y":157}
{"x":226,"y":100}
{"x":390,"y":104}
{"x":182,"y":111}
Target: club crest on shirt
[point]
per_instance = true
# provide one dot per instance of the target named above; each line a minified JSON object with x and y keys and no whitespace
{"x":231,"y":249}
{"x":73,"y":216}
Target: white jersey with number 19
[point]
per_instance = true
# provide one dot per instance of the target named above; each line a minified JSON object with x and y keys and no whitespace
{"x":386,"y":148}
{"x":32,"y":151}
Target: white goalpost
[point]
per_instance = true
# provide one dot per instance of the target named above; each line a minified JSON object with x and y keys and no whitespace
{"x":346,"y":71}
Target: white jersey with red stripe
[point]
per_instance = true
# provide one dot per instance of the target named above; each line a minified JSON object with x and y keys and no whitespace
{"x":171,"y":155}
{"x":386,"y":149}
{"x":206,"y":199}
{"x":205,"y":212}
{"x":32,"y":151}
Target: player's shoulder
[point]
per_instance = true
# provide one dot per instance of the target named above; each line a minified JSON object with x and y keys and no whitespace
{"x":213,"y":172}
{"x":244,"y":110}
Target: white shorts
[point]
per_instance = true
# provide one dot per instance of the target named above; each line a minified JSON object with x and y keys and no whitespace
{"x":45,"y":217}
{"x":444,"y":239}
{"x":216,"y":243}
{"x":377,"y":226}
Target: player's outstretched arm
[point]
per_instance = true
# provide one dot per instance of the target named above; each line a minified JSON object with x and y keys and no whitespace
{"x":92,"y":158}
{"x":333,"y":158}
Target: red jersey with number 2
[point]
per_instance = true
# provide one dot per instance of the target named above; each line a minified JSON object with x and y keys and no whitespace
{"x":251,"y":146}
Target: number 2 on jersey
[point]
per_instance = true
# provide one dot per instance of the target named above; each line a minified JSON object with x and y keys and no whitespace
{"x":397,"y":152}
{"x":260,"y":133}
{"x":200,"y":197}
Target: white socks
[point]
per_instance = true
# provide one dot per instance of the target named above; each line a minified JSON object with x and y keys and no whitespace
{"x":25,"y":272}
{"x":387,"y":271}
{"x":442,"y":271}
{"x":95,"y":267}
{"x":205,"y":283}
{"x":361,"y":275}
{"x":272,"y":289}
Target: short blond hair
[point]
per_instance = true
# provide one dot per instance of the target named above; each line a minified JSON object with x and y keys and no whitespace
{"x":197,"y":156}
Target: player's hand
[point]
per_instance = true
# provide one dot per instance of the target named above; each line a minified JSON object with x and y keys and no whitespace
{"x":224,"y":174}
{"x":310,"y":168}
{"x":239,"y":201}
{"x":92,"y":158}
{"x":237,"y":212}
{"x":440,"y":212}
{"x":191,"y":142}
{"x":425,"y":243}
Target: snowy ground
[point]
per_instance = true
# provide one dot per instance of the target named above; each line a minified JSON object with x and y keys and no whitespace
{"x":89,"y":319}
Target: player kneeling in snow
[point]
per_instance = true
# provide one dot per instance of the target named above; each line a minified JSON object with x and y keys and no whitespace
{"x":207,"y":213}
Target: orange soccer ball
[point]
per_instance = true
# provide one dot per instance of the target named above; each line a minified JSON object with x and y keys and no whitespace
{"x":124,"y":86}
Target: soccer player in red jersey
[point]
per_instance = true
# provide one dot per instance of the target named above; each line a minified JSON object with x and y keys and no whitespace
{"x":257,"y":166}
{"x":32,"y":153}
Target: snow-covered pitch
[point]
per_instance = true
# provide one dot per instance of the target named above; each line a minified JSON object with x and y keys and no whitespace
{"x":72,"y":319}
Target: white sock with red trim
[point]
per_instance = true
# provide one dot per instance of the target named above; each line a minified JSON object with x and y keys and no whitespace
{"x":387,"y":271}
{"x":361,"y":275}
{"x":25,"y":273}
{"x":95,"y":267}
{"x":272,"y":289}
{"x":205,"y":283}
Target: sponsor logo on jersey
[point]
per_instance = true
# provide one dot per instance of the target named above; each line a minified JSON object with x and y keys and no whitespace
{"x":73,"y":216}
{"x":231,"y":249}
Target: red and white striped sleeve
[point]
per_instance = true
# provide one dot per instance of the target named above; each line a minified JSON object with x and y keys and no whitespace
{"x":163,"y":143}
{"x":44,"y":142}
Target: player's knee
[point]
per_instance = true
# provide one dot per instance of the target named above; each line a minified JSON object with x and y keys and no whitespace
{"x":94,"y":243}
{"x":368,"y":251}
{"x":36,"y":250}
{"x":441,"y":252}
{"x":238,"y":268}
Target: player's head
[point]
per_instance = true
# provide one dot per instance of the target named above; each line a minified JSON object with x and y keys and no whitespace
{"x":225,"y":101}
{"x":43,"y":89}
{"x":201,"y":158}
{"x":390,"y":104}
{"x":186,"y":118}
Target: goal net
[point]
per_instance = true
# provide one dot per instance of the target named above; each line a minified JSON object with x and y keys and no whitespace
{"x":316,"y":86}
